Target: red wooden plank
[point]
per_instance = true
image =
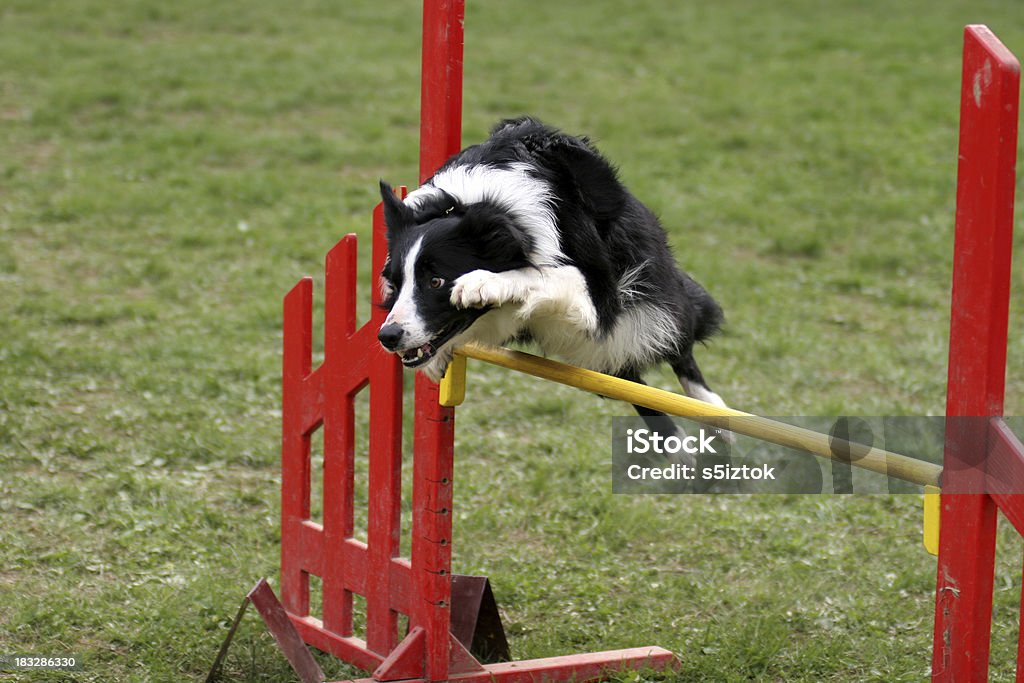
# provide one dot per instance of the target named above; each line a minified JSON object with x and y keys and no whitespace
{"x":298,"y":331}
{"x":287,"y":638}
{"x":441,"y":84}
{"x":984,"y":217}
{"x":309,"y":546}
{"x":354,"y":552}
{"x":402,"y":596}
{"x":311,"y":401}
{"x":583,"y":667}
{"x":460,"y":660}
{"x":341,"y":371}
{"x":406,"y":660}
{"x":296,"y":365}
{"x":977,"y":352}
{"x":440,"y":137}
{"x":350,"y":649}
{"x":354,"y":555}
{"x":340,"y":267}
{"x":580,"y":668}
{"x":432,"y":523}
{"x":385,"y":477}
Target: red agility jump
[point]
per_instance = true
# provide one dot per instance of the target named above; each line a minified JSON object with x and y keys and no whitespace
{"x":420,"y":587}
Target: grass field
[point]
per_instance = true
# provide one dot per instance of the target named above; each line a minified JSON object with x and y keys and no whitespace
{"x":169,"y":170}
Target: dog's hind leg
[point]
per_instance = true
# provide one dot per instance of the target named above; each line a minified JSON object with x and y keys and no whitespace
{"x":658,"y":422}
{"x":692,"y":380}
{"x":694,"y":386}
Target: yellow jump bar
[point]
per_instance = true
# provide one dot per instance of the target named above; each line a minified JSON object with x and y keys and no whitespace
{"x":453,"y":389}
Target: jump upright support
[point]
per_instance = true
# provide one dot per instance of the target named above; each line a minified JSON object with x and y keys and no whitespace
{"x":983,"y":460}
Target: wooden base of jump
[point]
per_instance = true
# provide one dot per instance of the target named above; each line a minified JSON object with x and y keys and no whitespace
{"x":580,"y":668}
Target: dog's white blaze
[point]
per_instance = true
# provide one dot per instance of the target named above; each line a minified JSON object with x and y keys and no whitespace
{"x":529,"y":199}
{"x":405,"y":311}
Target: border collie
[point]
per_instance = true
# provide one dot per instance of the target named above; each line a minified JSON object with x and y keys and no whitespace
{"x":530,"y":235}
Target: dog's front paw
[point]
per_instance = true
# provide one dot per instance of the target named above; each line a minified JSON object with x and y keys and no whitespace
{"x":479,"y":288}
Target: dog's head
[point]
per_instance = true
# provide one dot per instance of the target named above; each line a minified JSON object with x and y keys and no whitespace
{"x":429,"y":247}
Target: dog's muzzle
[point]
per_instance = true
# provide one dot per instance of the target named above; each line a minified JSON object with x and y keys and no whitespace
{"x":390,"y":336}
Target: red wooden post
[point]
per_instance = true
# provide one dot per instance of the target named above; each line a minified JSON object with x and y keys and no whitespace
{"x":339,"y":434}
{"x":384,"y":518}
{"x":977,"y":354}
{"x":440,"y":137}
{"x":441,"y":86}
{"x":297,"y":362}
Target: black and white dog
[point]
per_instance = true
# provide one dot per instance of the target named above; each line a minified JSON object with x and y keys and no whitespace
{"x":530,"y":235}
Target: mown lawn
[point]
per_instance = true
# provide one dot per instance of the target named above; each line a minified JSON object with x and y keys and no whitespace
{"x":169,"y":170}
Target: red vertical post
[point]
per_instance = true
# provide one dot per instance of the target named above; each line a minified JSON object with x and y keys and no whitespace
{"x":384,"y":516}
{"x":297,"y":365}
{"x":440,"y":137}
{"x":339,"y":388}
{"x":432,"y":524}
{"x":977,"y":353}
{"x":441,"y":85}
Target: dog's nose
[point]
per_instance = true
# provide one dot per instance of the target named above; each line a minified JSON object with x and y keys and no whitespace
{"x":389,"y":335}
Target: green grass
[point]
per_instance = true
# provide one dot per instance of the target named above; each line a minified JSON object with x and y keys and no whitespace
{"x":170,"y":170}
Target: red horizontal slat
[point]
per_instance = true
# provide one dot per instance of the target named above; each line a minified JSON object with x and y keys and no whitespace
{"x":352,"y":650}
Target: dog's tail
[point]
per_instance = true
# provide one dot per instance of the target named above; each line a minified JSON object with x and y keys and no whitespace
{"x":708,"y":315}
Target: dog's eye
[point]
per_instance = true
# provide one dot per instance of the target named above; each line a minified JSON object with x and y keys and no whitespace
{"x":436,"y":282}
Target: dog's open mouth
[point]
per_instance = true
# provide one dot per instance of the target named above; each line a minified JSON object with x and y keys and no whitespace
{"x":418,"y":356}
{"x":415,"y":357}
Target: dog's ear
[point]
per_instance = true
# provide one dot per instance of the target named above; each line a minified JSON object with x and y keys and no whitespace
{"x":396,"y":214}
{"x":444,"y":204}
{"x":497,"y":233}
